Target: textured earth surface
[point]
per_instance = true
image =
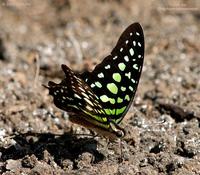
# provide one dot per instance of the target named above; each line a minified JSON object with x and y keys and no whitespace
{"x":163,"y":123}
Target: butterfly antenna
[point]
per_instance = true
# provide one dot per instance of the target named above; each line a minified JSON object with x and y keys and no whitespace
{"x":45,"y":86}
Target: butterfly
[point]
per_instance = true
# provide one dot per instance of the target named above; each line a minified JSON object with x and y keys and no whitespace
{"x":100,"y":99}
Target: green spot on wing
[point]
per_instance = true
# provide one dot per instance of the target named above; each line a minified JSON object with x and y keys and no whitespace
{"x":117,"y":77}
{"x":107,"y":111}
{"x":135,"y":66}
{"x":101,"y":111}
{"x":110,"y":111}
{"x":103,"y":118}
{"x":104,"y":98}
{"x":131,"y":88}
{"x":112,"y":88}
{"x":98,"y":84}
{"x":119,"y":100}
{"x":112,"y":100}
{"x":123,"y":88}
{"x":120,"y":111}
{"x":127,"y":98}
{"x":121,"y":66}
{"x":133,"y":80}
{"x":96,"y":117}
{"x":128,"y":75}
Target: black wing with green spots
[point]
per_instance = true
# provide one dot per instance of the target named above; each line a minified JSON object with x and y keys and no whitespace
{"x":115,"y":80}
{"x":103,"y":96}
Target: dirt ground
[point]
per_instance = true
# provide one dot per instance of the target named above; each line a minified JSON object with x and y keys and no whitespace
{"x":163,"y":124}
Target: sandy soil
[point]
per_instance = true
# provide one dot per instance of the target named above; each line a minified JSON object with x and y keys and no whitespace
{"x":36,"y":37}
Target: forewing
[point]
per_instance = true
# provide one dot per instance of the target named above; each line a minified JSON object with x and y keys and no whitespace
{"x":115,"y":80}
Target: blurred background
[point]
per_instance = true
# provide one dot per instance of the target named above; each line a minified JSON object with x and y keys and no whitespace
{"x":36,"y":37}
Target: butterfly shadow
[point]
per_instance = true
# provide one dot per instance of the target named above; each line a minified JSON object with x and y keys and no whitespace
{"x":61,"y":147}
